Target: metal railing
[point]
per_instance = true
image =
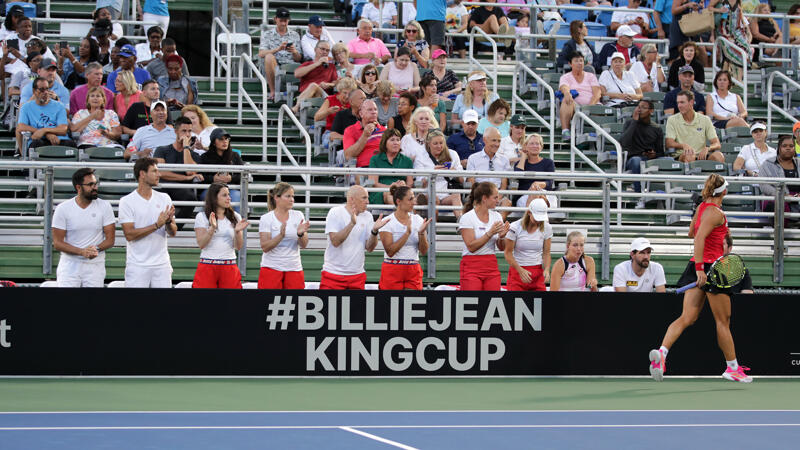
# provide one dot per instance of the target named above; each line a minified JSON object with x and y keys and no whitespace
{"x":218,"y":60}
{"x":606,"y":196}
{"x":515,"y":98}
{"x":282,"y":148}
{"x":789,"y":52}
{"x":244,"y":58}
{"x":89,"y":23}
{"x":472,"y":61}
{"x":745,"y":60}
{"x":771,"y":105}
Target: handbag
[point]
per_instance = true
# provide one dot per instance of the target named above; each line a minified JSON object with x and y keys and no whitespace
{"x":695,"y":23}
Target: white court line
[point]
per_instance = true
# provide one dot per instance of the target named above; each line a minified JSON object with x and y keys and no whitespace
{"x":378,"y":438}
{"x":324,"y":427}
{"x":410,"y":411}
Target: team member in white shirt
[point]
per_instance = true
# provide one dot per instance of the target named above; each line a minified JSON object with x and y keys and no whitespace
{"x":147,"y":217}
{"x":219,"y":231}
{"x":482,"y":229}
{"x":639,"y":274}
{"x":350,"y":230}
{"x":404,"y":238}
{"x":528,"y":249}
{"x":490,"y":160}
{"x":283,"y":233}
{"x":83,"y":229}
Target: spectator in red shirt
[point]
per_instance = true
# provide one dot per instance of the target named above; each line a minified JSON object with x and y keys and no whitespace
{"x":362,"y":139}
{"x":317,"y":77}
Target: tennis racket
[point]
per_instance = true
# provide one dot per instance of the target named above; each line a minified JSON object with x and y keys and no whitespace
{"x":726,"y":272}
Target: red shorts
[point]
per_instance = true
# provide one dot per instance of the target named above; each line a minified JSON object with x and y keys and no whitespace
{"x":333,"y":281}
{"x":210,"y":276}
{"x":514,"y":283}
{"x":275,"y":279}
{"x":480,"y":273}
{"x":400,"y":276}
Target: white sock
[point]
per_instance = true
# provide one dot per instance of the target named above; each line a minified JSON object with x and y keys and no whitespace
{"x":665,"y":350}
{"x":733,"y":364}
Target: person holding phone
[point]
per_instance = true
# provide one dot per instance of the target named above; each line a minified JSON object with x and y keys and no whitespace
{"x":279,"y":45}
{"x":71,"y":69}
{"x":220,"y":153}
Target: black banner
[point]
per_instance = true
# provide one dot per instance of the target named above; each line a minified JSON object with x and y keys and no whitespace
{"x":220,"y":332}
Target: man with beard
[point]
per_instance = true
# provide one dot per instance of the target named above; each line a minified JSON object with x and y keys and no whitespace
{"x":639,"y":274}
{"x":642,"y":140}
{"x":83,"y":229}
{"x":147,"y":217}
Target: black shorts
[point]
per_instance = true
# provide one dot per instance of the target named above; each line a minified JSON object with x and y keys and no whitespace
{"x":720,"y":123}
{"x":434,"y":31}
{"x":690,"y":276}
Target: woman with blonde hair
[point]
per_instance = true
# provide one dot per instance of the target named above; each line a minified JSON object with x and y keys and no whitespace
{"x":528,"y":249}
{"x":128,"y":92}
{"x":341,"y":57}
{"x":283,"y":232}
{"x":575,"y":270}
{"x":422,"y":121}
{"x":386,"y":101}
{"x":201,"y":126}
{"x":333,"y":104}
{"x":414,"y":39}
{"x":439,"y":157}
{"x":476,"y":96}
{"x":98,"y":126}
{"x":532,"y":161}
{"x":765,"y":29}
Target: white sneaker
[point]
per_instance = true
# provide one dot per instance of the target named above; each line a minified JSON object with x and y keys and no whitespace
{"x":658,"y":364}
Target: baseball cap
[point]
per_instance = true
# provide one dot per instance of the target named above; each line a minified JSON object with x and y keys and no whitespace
{"x":538,"y":209}
{"x":438,"y":52}
{"x":157,"y":103}
{"x":625,"y":30}
{"x":47,"y":63}
{"x":470,"y":115}
{"x":127,"y":51}
{"x":517,"y":119}
{"x":218,"y":133}
{"x":617,"y":55}
{"x":102,"y":27}
{"x":640,"y":244}
{"x":684,"y":69}
{"x":757,"y":126}
{"x":795,"y":127}
{"x":476,"y":77}
{"x":316,"y":21}
{"x":282,"y":13}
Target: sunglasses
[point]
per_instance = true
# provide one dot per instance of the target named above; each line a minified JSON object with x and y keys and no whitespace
{"x":42,"y":89}
{"x":92,"y":184}
{"x":371,"y":73}
{"x":411,"y":30}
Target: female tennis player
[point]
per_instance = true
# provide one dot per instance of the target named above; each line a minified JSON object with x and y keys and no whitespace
{"x":219,"y":231}
{"x":528,"y":249}
{"x":283,"y":232}
{"x":575,"y":271}
{"x":708,"y":228}
{"x":481,"y":229}
{"x":404,"y":238}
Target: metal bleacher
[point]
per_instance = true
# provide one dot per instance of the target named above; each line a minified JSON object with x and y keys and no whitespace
{"x":20,"y":241}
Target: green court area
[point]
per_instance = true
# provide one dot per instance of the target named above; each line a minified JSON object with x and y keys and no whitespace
{"x":395,"y":394}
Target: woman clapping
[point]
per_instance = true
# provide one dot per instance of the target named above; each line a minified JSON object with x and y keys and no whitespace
{"x":404,"y":238}
{"x":283,"y":233}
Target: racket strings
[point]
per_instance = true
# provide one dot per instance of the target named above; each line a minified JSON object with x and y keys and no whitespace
{"x":728,"y":271}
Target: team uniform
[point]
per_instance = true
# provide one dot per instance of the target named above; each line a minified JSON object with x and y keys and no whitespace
{"x":147,"y":262}
{"x":217,"y":267}
{"x":712,"y":250}
{"x":281,"y":267}
{"x":84,"y":228}
{"x":343,"y":266}
{"x":653,"y":276}
{"x":528,"y":248}
{"x":479,"y":270}
{"x":574,"y":278}
{"x":402,"y":271}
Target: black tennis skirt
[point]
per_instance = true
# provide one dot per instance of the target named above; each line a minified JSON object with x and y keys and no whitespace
{"x":690,"y":276}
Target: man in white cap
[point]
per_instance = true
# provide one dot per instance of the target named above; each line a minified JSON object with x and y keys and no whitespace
{"x":623,"y":45}
{"x":618,"y":84}
{"x":639,"y":274}
{"x":633,"y":17}
{"x":468,"y":140}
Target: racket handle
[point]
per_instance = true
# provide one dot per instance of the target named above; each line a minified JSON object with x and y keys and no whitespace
{"x":683,"y":289}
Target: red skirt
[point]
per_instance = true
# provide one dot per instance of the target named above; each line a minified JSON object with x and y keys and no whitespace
{"x":480,"y":273}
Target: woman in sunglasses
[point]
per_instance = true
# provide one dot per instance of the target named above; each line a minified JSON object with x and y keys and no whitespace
{"x":414,"y":40}
{"x":368,"y":81}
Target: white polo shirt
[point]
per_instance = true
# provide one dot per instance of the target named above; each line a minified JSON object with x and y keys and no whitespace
{"x":84,"y":227}
{"x":151,"y":250}
{"x":625,"y":277}
{"x":626,"y":85}
{"x":471,"y":221}
{"x":221,"y":244}
{"x":480,"y":161}
{"x":528,"y":247}
{"x":409,"y":250}
{"x":285,"y":257}
{"x":348,"y":257}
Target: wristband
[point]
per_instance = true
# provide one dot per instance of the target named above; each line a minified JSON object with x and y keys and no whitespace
{"x":699,"y":267}
{"x":374,"y":233}
{"x":301,"y":234}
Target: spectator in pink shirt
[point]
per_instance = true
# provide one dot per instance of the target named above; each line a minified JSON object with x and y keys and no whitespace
{"x":94,"y":78}
{"x":365,"y":49}
{"x":587,"y":87}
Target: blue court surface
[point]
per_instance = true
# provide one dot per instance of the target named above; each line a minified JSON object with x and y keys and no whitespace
{"x":355,"y":430}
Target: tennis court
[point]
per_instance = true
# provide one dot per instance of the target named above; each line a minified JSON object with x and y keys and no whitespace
{"x":408,"y":413}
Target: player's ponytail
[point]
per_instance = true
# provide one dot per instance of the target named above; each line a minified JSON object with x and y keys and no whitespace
{"x":477,"y":194}
{"x":279,"y":189}
{"x":712,"y":187}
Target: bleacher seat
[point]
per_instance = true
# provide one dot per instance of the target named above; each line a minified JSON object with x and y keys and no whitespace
{"x":104,"y":154}
{"x":704,"y":167}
